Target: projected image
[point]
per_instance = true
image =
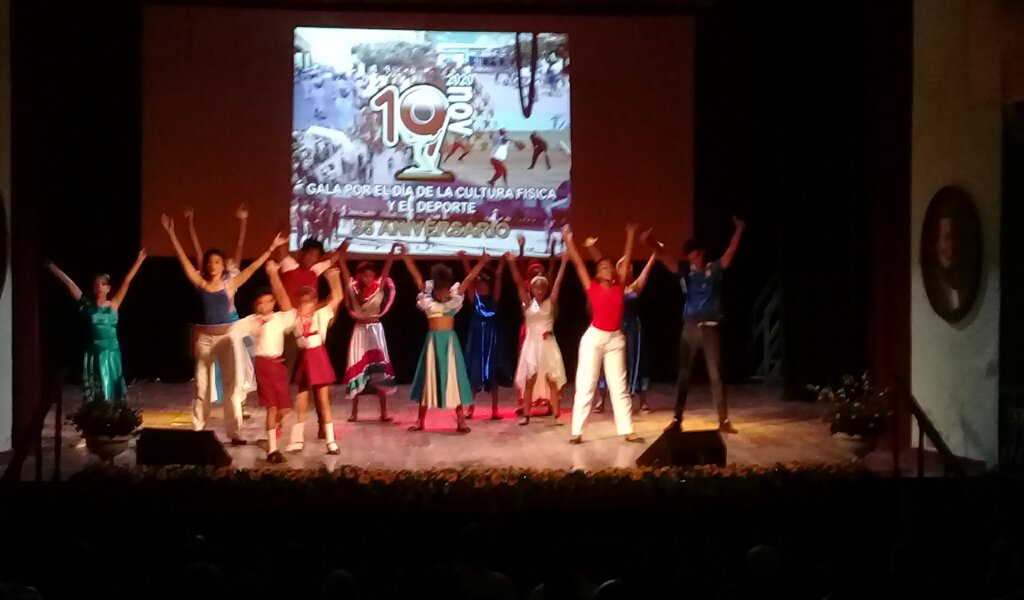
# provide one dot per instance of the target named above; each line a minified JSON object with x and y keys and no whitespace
{"x":446,"y":141}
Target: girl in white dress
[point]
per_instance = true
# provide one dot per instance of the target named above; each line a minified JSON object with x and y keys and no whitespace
{"x":540,"y":372}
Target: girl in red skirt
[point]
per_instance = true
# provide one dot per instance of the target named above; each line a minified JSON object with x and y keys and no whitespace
{"x":314,"y":373}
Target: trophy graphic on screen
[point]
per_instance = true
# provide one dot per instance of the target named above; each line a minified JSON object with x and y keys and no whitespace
{"x":419,"y":117}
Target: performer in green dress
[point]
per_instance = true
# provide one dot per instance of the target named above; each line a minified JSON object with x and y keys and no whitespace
{"x":102,"y":376}
{"x":441,"y":380}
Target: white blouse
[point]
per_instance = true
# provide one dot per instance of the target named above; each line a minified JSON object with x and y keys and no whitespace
{"x":432,"y":308}
{"x":311,"y":332}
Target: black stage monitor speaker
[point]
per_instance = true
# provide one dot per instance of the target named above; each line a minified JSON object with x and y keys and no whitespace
{"x":160,"y":447}
{"x":676,"y":448}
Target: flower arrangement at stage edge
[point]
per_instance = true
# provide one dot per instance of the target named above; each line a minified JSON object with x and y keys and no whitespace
{"x":101,"y":418}
{"x":856,"y":407}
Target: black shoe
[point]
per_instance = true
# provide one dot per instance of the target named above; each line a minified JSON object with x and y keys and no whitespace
{"x":727,"y":427}
{"x":276,"y":457}
{"x":635,"y":439}
{"x":576,"y":440}
{"x":238,"y":442}
{"x":675,"y":425}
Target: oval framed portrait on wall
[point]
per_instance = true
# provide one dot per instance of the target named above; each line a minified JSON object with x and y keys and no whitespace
{"x":951,"y":253}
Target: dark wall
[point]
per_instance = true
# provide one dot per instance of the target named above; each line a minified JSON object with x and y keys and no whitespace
{"x":803,"y":115}
{"x":1011,"y":317}
{"x":790,"y":102}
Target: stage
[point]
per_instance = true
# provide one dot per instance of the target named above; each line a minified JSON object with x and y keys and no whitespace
{"x":770,"y":431}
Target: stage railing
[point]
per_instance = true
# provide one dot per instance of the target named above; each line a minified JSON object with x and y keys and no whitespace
{"x":766,"y":342}
{"x":33,"y":441}
{"x":905,"y":400}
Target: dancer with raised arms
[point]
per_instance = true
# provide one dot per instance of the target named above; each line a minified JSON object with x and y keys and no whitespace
{"x":213,"y":341}
{"x":603,"y":344}
{"x":368,"y":297}
{"x":102,"y":371}
{"x":441,"y":380}
{"x":540,"y":372}
{"x":485,"y":354}
{"x":701,"y":282}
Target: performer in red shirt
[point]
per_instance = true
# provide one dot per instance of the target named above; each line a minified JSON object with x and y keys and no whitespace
{"x":603,"y":343}
{"x":299,"y":270}
{"x":539,"y":147}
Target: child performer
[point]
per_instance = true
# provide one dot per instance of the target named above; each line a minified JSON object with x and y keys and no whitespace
{"x":213,"y":341}
{"x":368,"y":298}
{"x":637,"y":379}
{"x":102,"y":375}
{"x":268,"y":329}
{"x":441,"y":380}
{"x":541,"y":372}
{"x":313,"y":372}
{"x":533,"y":268}
{"x":484,"y":356}
{"x":302,"y":269}
{"x":603,"y":343}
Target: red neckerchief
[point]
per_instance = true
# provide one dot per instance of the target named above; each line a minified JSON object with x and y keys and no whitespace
{"x":307,"y":327}
{"x":369,"y":290}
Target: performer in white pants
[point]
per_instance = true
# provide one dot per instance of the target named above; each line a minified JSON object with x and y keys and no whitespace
{"x":214,"y":340}
{"x":603,"y":344}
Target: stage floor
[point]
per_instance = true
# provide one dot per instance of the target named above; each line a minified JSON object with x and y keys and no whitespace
{"x":770,"y":431}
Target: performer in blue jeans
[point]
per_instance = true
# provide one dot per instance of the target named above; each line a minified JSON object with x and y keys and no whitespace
{"x":702,"y":316}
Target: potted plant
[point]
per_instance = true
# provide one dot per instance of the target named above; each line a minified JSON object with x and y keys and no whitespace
{"x":858,"y":414}
{"x":106,"y":426}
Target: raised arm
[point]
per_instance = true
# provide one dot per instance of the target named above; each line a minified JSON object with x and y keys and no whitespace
{"x":734,"y":243}
{"x":577,"y":261}
{"x":196,"y":246}
{"x":280,"y":294}
{"x":641,"y":281}
{"x":556,"y":287}
{"x":658,"y":248}
{"x":591,"y":245}
{"x":243,"y":218}
{"x":190,"y":271}
{"x":237,"y":282}
{"x":410,"y":265}
{"x":551,"y":261}
{"x":341,"y":257}
{"x":333,"y":277}
{"x":524,"y":295}
{"x":471,"y":276}
{"x":115,"y":302}
{"x":385,"y":271}
{"x":499,"y":274}
{"x":627,"y":254}
{"x":73,"y":289}
{"x":467,"y":289}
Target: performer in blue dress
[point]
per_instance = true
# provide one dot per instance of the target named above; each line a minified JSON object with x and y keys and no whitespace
{"x":441,"y":380}
{"x":485,"y":355}
{"x":102,"y":373}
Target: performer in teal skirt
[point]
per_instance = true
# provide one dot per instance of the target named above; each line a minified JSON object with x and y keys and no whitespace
{"x":441,"y":380}
{"x":102,"y":375}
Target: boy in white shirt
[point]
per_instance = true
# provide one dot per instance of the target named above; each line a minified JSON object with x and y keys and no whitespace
{"x":268,"y":329}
